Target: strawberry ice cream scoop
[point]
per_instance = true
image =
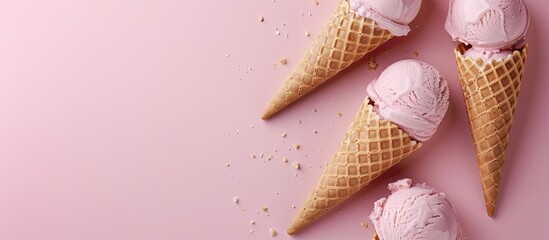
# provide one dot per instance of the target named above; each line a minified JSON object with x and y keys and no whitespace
{"x":392,"y":15}
{"x":413,"y":95}
{"x":488,"y":25}
{"x":418,"y":212}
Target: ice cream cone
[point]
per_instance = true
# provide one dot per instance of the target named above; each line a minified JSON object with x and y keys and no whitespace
{"x":490,"y":91}
{"x":346,"y":38}
{"x":370,"y":147}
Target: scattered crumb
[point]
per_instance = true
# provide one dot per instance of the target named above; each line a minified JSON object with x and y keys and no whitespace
{"x":236,"y":200}
{"x":316,"y":2}
{"x":385,"y":51}
{"x":277,"y":32}
{"x":339,"y":114}
{"x":251,"y":231}
{"x":315,"y":110}
{"x":297,"y":146}
{"x":286,"y":36}
{"x":272,"y":231}
{"x":252,"y":222}
{"x":252,"y":156}
{"x":315,"y":131}
{"x":261,"y":19}
{"x":270,"y":158}
{"x":363,"y":224}
{"x":415,"y":53}
{"x":264,"y":209}
{"x":284,"y":134}
{"x":296,"y":165}
{"x":261,"y":155}
{"x":228,"y":55}
{"x":299,"y":121}
{"x":227,"y":165}
{"x":283,"y":61}
{"x":372,"y":64}
{"x":307,"y":34}
{"x":293,"y":206}
{"x":285,"y":160}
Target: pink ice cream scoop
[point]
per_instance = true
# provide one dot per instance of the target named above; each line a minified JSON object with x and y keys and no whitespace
{"x":413,"y":95}
{"x":488,"y":25}
{"x":418,"y":212}
{"x":392,"y":15}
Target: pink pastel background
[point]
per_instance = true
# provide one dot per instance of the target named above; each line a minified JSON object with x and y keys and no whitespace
{"x":118,"y":117}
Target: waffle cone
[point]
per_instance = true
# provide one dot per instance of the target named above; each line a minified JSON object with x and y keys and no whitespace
{"x":346,"y":38}
{"x":490,"y":91}
{"x":370,"y":147}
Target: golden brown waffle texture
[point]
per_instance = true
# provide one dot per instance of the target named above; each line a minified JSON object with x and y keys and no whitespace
{"x":346,"y":38}
{"x":370,"y":147}
{"x":490,"y":91}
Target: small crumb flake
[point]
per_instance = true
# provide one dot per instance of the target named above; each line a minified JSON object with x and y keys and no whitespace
{"x":315,"y":2}
{"x":285,"y":160}
{"x":252,"y":156}
{"x":296,"y":165}
{"x":372,"y":64}
{"x":264,"y":209}
{"x":272,"y":231}
{"x":307,"y":34}
{"x":315,"y":131}
{"x":299,"y":121}
{"x":284,"y":134}
{"x":261,"y":19}
{"x":339,"y":114}
{"x":315,"y":110}
{"x":293,"y":206}
{"x":363,"y":224}
{"x":415,"y":53}
{"x":236,"y":200}
{"x":227,"y":165}
{"x":283,"y":61}
{"x":252,"y":222}
{"x":277,"y":32}
{"x":297,"y":146}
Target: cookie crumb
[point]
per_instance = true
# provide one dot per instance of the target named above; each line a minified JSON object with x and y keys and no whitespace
{"x":415,"y":53}
{"x":339,"y":114}
{"x":372,"y":64}
{"x":307,"y":34}
{"x":315,"y":131}
{"x":261,"y":19}
{"x":264,"y":209}
{"x":315,"y":110}
{"x":283,"y":134}
{"x":299,"y":121}
{"x":252,"y":156}
{"x":252,"y":222}
{"x":364,"y":225}
{"x":272,"y":231}
{"x":285,"y":160}
{"x":293,"y":206}
{"x":297,"y":146}
{"x":283,"y":61}
{"x":227,"y":165}
{"x":296,"y":165}
{"x":236,"y":200}
{"x":277,"y":32}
